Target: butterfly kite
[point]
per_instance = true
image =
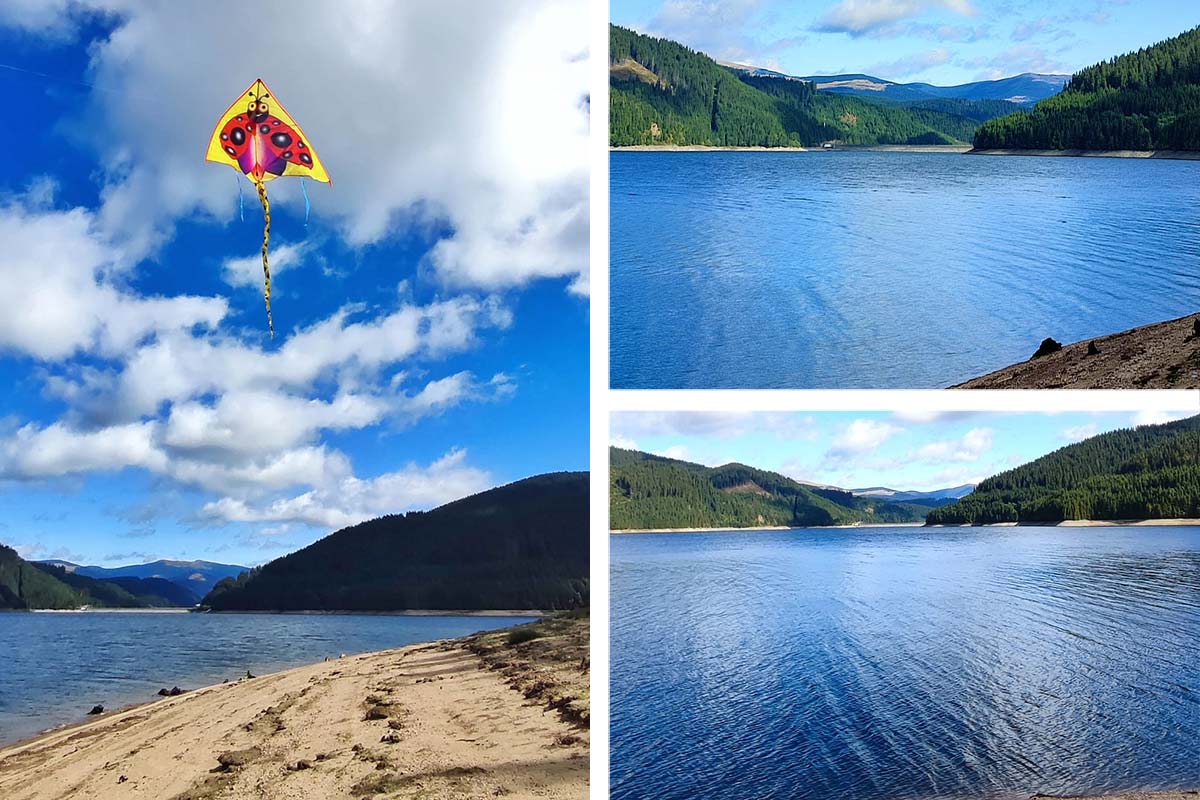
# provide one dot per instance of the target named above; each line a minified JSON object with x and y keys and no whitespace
{"x":257,"y":137}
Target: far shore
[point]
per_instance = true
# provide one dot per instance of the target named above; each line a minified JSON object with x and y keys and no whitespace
{"x":771,"y":528}
{"x":482,"y":716}
{"x":1177,"y":155}
{"x":964,"y":149}
{"x":415,"y":612}
{"x":1069,"y":523}
{"x":871,"y":148}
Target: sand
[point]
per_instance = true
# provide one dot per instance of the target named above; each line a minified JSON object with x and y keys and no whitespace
{"x":475,"y":717}
{"x":1165,"y":355}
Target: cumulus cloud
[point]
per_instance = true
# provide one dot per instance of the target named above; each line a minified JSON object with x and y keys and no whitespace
{"x":973,"y":444}
{"x":1160,"y":417}
{"x":722,"y":424}
{"x":858,"y":17}
{"x":1078,"y":433}
{"x":247,"y":271}
{"x":862,"y":436}
{"x":353,"y":500}
{"x":61,"y":283}
{"x":469,"y":116}
{"x":57,"y":450}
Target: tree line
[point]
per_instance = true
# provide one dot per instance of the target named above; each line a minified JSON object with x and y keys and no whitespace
{"x":1149,"y":472}
{"x":1147,"y":100}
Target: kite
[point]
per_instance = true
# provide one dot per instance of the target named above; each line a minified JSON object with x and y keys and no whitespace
{"x":259,"y":139}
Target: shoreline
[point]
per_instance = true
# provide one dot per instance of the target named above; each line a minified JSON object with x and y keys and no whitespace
{"x":443,"y":717}
{"x":771,"y":528}
{"x":869,"y":148}
{"x":1161,"y":355}
{"x":1067,"y":523}
{"x":1170,"y":155}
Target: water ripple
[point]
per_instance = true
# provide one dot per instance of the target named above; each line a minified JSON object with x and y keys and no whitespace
{"x":896,"y":663}
{"x":885,"y":270}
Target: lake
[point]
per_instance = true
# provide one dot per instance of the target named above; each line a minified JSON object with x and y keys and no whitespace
{"x":905,"y":663}
{"x":55,"y":666}
{"x":884,"y":269}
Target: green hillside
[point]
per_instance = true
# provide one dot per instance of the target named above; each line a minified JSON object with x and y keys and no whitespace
{"x":1148,"y":100}
{"x":521,"y":546}
{"x":24,"y":586}
{"x":1149,"y":472}
{"x":662,"y":92}
{"x":648,"y":491}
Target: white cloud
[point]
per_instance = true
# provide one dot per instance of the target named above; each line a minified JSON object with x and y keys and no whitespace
{"x":1160,"y":417}
{"x":973,"y":444}
{"x":354,"y":500}
{"x":1080,"y":432}
{"x":247,"y":272}
{"x":721,"y":424}
{"x":678,"y":452}
{"x":857,"y":17}
{"x":61,"y":284}
{"x":473,"y":116}
{"x":57,"y":450}
{"x":862,"y":436}
{"x":617,"y":440}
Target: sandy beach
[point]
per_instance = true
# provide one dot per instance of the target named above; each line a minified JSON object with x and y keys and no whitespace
{"x":1165,"y":355}
{"x":483,"y":716}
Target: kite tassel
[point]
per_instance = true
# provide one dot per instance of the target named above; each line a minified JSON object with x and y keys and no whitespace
{"x":304,"y":191}
{"x":266,"y":204}
{"x":241,"y":199}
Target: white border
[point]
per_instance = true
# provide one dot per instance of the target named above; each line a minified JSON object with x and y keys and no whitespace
{"x":598,"y":280}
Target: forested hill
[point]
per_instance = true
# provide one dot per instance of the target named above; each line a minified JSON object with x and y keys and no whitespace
{"x":520,"y":546}
{"x":26,"y":585}
{"x":1148,"y":100}
{"x":648,"y":491}
{"x":1149,"y":472}
{"x":662,"y":92}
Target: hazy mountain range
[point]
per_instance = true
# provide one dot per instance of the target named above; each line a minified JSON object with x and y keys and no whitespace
{"x":1024,"y":89}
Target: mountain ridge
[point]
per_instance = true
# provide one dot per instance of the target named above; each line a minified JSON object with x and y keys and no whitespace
{"x":1146,"y":472}
{"x":655,"y":492}
{"x":524,"y":545}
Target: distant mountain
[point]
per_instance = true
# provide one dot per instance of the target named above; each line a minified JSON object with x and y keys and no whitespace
{"x":23,"y":585}
{"x":44,"y":585}
{"x":196,"y":577}
{"x":1148,"y":100}
{"x":1149,"y":472}
{"x":1024,"y":89}
{"x":662,"y":92}
{"x":937,"y":497}
{"x":649,"y":491}
{"x":520,"y":546}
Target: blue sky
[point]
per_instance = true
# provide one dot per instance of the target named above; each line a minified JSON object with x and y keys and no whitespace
{"x":431,"y":318}
{"x":917,"y":450}
{"x":942,"y":42}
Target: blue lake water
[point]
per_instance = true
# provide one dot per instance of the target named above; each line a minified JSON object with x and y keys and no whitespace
{"x":885,"y":270}
{"x":905,"y":663}
{"x":55,"y":667}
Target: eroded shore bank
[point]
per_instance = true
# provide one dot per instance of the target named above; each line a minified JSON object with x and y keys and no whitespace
{"x":1164,"y":355}
{"x":498,"y":713}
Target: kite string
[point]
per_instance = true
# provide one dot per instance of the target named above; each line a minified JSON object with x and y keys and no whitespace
{"x":304,"y":190}
{"x":266,"y":204}
{"x":241,"y":199}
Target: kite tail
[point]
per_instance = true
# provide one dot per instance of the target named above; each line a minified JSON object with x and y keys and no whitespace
{"x":266,"y":204}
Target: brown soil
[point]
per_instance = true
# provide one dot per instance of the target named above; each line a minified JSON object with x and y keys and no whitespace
{"x":1165,"y":355}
